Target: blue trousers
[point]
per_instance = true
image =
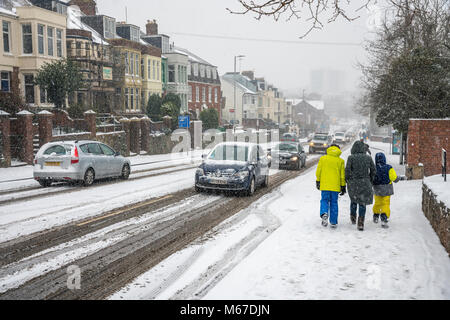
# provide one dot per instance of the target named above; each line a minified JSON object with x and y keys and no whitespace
{"x":362,"y":209}
{"x":329,"y":204}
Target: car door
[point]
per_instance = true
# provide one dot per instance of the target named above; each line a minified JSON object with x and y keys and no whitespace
{"x":113,"y":164}
{"x":98,"y":162}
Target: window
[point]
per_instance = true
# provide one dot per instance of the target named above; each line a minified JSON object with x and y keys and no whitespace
{"x":197,"y":94}
{"x":149,"y":68}
{"x":142,"y":69}
{"x":171,"y":73}
{"x":27,"y":38}
{"x":202,"y":71}
{"x":215,"y":95}
{"x":134,"y":34}
{"x":29,"y":88}
{"x":209,"y":94}
{"x":59,"y":43}
{"x":131,"y":63}
{"x":203,"y":94}
{"x":196,"y":69}
{"x":40,"y":39}
{"x":110,"y":28}
{"x":127,"y":63}
{"x":50,"y":40}
{"x":189,"y":69}
{"x":157,"y":70}
{"x":6,"y":37}
{"x":58,"y":150}
{"x":5,"y":81}
{"x":136,"y":61}
{"x":94,"y":148}
{"x":137,"y":98}
{"x":214,"y":74}
{"x":131,"y":98}
{"x":126,"y":99}
{"x":43,"y":95}
{"x":208,"y":72}
{"x":154,"y":70}
{"x":107,"y":150}
{"x":190,"y":94}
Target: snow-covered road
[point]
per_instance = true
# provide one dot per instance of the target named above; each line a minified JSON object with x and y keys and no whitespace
{"x":277,"y":249}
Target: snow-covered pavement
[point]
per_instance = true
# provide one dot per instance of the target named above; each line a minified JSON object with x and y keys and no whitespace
{"x":277,"y":249}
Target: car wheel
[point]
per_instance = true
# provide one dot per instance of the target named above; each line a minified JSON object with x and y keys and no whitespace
{"x":125,"y":172}
{"x":45,"y":183}
{"x":252,"y":187}
{"x":89,"y":177}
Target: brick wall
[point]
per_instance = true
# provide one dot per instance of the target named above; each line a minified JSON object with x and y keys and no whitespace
{"x":438,"y":215}
{"x":426,"y":138}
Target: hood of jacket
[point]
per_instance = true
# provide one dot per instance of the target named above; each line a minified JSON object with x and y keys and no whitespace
{"x":334,"y":151}
{"x":358,"y":147}
{"x":380,"y":159}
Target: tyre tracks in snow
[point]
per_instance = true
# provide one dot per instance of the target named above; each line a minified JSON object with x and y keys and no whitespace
{"x":133,"y":249}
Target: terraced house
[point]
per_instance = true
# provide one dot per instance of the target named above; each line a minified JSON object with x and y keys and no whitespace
{"x":204,"y":84}
{"x":31,"y":36}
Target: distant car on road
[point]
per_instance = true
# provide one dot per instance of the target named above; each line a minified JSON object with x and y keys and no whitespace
{"x":288,"y":155}
{"x":320,"y":142}
{"x":339,"y":137}
{"x":290,"y":137}
{"x":233,"y":166}
{"x":77,"y":161}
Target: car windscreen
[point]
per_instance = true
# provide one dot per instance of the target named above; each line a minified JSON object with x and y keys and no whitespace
{"x":286,"y":147}
{"x":323,"y":138}
{"x":229,"y":152}
{"x":58,"y":150}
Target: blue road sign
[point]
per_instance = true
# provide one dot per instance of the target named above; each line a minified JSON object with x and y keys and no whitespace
{"x":183,"y":121}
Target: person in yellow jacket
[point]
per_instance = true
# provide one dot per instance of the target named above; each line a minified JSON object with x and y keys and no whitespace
{"x":383,"y":189}
{"x":330,"y":180}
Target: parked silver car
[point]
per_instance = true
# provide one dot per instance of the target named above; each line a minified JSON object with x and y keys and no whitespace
{"x":82,"y":161}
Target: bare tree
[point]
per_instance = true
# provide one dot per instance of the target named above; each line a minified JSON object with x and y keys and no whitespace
{"x":316,"y":12}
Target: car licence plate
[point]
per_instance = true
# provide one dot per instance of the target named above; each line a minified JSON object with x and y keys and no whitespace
{"x":52,"y":164}
{"x":217,"y":181}
{"x":283,"y":161}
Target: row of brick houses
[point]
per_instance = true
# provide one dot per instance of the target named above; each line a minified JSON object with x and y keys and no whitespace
{"x":121,"y":65}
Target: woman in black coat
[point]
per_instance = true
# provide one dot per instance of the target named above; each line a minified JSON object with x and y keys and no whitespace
{"x":359,"y":175}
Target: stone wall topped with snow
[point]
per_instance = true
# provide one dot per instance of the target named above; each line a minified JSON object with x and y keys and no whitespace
{"x":436,"y":206}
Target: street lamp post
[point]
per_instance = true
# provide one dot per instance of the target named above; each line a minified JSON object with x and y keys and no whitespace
{"x":234,"y":82}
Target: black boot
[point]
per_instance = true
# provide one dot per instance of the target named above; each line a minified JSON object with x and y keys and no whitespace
{"x":384,"y":220}
{"x":353,"y":218}
{"x":360,"y":223}
{"x":376,"y":216}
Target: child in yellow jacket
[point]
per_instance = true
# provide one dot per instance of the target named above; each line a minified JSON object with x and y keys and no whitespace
{"x":383,"y":189}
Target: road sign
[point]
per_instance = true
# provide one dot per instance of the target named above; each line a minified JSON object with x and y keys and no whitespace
{"x":183,"y":121}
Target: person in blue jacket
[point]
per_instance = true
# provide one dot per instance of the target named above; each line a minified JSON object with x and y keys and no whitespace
{"x":383,"y":189}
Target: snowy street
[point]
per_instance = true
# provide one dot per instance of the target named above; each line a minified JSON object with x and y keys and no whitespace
{"x":212,"y":246}
{"x":277,"y":249}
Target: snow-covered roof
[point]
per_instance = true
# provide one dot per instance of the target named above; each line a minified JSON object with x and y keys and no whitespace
{"x":317,"y":104}
{"x":74,"y":15}
{"x":191,"y":56}
{"x":9,"y":6}
{"x":238,"y":85}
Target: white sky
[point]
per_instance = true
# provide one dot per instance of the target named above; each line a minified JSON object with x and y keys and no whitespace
{"x":286,"y":65}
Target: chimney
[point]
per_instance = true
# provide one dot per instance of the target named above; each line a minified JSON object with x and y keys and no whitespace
{"x":249,"y":74}
{"x":152,"y":28}
{"x":88,"y":7}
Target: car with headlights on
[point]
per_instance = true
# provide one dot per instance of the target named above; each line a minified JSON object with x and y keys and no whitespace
{"x":78,"y":161}
{"x":233,"y":166}
{"x":288,"y":155}
{"x":320,"y":142}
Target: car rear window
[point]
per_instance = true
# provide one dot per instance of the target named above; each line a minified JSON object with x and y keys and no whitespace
{"x":60,"y":150}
